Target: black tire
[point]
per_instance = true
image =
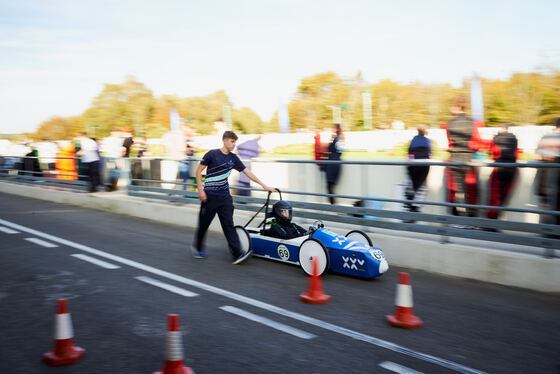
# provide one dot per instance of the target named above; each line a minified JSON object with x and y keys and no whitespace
{"x":313,"y":248}
{"x":360,"y":237}
{"x":244,"y":239}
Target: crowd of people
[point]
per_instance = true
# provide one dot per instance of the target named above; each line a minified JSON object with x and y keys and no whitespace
{"x":465,"y":145}
{"x":102,"y":162}
{"x":77,"y":159}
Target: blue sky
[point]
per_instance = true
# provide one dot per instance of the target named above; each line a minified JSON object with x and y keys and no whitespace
{"x":55,"y":56}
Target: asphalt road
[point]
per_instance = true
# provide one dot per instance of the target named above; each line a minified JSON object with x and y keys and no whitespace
{"x":241,"y":318}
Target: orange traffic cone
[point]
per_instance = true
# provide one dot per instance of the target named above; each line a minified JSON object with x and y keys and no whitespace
{"x":404,"y":316}
{"x":315,"y":293}
{"x":174,"y":349}
{"x":64,"y":351}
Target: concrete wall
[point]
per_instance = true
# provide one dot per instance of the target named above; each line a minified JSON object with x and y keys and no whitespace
{"x":500,"y":267}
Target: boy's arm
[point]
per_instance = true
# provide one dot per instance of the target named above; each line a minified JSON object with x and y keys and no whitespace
{"x":201,"y":193}
{"x":254,"y":178}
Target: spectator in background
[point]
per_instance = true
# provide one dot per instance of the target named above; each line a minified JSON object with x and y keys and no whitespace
{"x":47,"y":150}
{"x":31,"y":165}
{"x":89,"y":154}
{"x":136,"y":169}
{"x":128,"y":141}
{"x":418,"y":149}
{"x":335,"y":150}
{"x":112,"y":146}
{"x":142,"y":143}
{"x":80,"y":167}
{"x":319,"y":150}
{"x":247,"y":151}
{"x":503,"y":148}
{"x":175,"y":142}
{"x":112,"y":149}
{"x":192,"y":147}
{"x":65,"y":162}
{"x":463,"y":141}
{"x":548,"y":179}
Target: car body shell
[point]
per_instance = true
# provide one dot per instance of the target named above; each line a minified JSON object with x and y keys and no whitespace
{"x":344,"y":255}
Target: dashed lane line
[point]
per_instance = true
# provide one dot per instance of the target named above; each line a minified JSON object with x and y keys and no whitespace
{"x":396,"y":368}
{"x":41,"y":242}
{"x":95,"y":261}
{"x":165,"y":286}
{"x":7,"y":230}
{"x":256,"y":303}
{"x":268,"y":322}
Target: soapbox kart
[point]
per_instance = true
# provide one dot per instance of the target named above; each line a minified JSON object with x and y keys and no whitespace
{"x":352,"y":254}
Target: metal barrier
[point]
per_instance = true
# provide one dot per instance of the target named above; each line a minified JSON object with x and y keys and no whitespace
{"x":13,"y":169}
{"x":523,"y":233}
{"x":546,"y":236}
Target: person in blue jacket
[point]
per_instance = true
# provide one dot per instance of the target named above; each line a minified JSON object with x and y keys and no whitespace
{"x":419,"y":149}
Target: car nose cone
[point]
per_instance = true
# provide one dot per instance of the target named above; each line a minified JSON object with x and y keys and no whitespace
{"x":383,"y":266}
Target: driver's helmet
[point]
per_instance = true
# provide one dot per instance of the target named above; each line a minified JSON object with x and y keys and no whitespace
{"x":282,"y":211}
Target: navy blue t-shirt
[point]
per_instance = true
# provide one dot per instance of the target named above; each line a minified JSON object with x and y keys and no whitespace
{"x":218,"y":170}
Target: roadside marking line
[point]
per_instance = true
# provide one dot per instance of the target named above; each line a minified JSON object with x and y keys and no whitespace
{"x":268,"y":322}
{"x":391,"y":366}
{"x":6,"y":230}
{"x":166,"y":286}
{"x":256,"y":303}
{"x":95,"y":261}
{"x":41,"y":242}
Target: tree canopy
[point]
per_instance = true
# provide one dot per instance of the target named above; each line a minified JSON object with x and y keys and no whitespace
{"x":525,"y":98}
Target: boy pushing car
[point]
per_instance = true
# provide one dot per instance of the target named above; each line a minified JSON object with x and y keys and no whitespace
{"x":216,"y":198}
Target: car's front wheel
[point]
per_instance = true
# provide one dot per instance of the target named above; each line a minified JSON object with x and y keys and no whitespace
{"x":360,"y":237}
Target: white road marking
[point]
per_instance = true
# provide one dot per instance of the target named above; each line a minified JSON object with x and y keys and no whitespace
{"x":268,"y":322}
{"x":256,"y":303}
{"x":165,"y":286}
{"x":95,"y":261}
{"x":391,"y":366}
{"x":6,"y":230}
{"x":41,"y":242}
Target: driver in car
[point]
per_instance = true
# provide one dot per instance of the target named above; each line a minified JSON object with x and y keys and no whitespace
{"x":281,"y":226}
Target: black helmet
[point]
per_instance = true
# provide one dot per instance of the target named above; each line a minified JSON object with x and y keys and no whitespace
{"x":279,"y":210}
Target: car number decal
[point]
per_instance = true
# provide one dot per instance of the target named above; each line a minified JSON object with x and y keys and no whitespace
{"x":376,"y":254}
{"x":283,"y":252}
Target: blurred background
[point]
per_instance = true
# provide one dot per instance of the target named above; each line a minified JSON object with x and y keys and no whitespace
{"x":272,"y":67}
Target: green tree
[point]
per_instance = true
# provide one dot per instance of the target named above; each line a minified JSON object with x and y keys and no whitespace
{"x":246,"y":121}
{"x":120,"y":105}
{"x":59,"y":128}
{"x":204,"y":110}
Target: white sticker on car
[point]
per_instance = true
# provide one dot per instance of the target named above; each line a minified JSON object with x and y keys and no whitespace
{"x":283,"y":252}
{"x":377,"y":254}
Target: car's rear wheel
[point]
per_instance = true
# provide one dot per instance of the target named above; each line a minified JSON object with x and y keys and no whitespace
{"x":313,"y":248}
{"x":244,"y":239}
{"x":360,"y":237}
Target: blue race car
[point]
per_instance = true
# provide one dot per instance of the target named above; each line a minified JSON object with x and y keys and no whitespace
{"x":352,"y":254}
